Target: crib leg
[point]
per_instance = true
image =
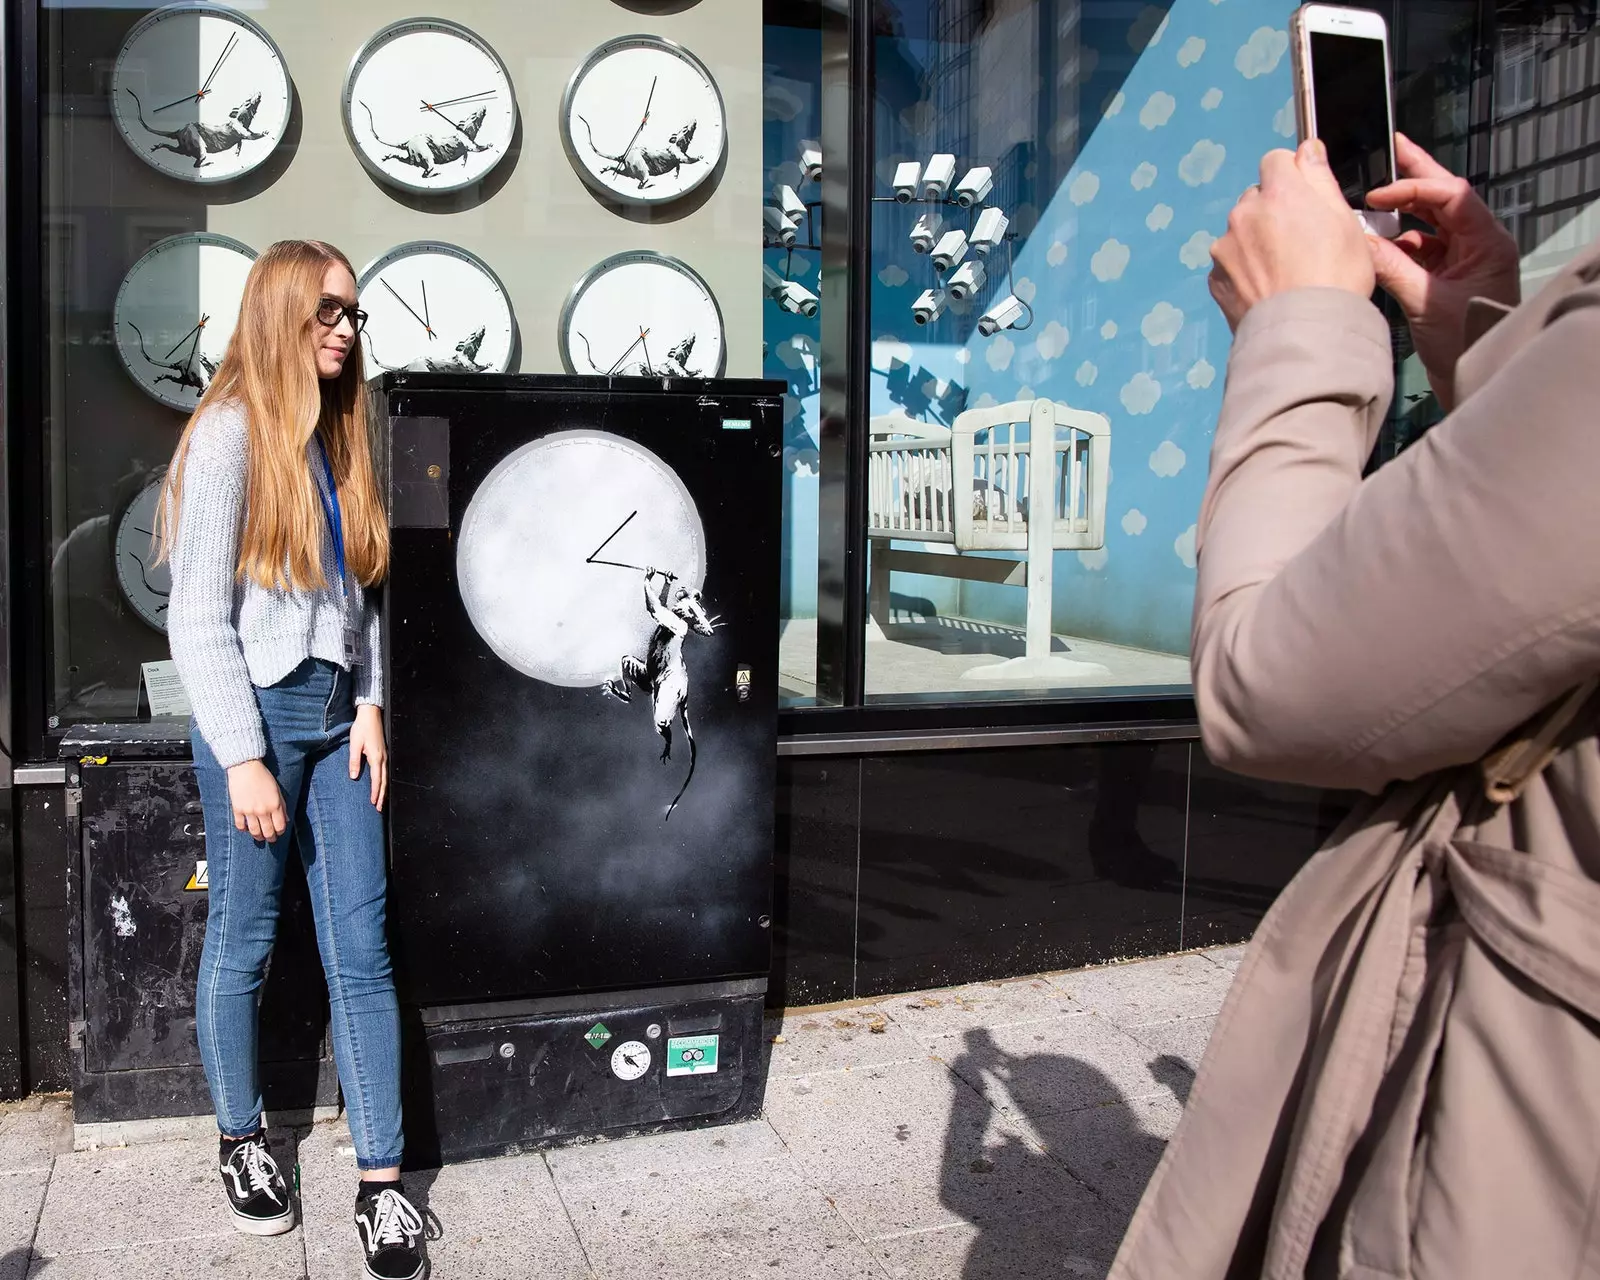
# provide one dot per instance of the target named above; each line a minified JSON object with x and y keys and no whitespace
{"x":878,"y":584}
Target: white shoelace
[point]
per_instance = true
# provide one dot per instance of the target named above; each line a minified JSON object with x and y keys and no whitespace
{"x":394,"y":1220}
{"x":257,"y":1167}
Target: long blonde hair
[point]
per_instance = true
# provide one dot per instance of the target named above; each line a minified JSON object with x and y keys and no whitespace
{"x":270,"y":372}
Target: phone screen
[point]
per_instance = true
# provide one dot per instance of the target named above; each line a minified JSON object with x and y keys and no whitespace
{"x":1349,"y":83}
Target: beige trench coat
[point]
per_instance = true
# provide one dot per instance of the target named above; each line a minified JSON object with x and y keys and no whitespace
{"x":1405,"y":1079}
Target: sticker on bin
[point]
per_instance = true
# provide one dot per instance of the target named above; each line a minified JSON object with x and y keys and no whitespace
{"x":199,"y":882}
{"x":691,"y":1055}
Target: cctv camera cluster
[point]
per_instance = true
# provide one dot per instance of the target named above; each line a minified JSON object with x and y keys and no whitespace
{"x":958,"y":254}
{"x":781,"y":221}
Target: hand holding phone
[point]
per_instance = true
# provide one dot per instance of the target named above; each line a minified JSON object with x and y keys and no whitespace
{"x":1343,"y":98}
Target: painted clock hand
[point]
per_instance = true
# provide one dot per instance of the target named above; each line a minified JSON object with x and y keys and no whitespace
{"x":628,"y":352}
{"x":180,"y":342}
{"x":430,"y":107}
{"x":178,"y":102}
{"x":646,"y":119}
{"x":426,"y":318}
{"x":233,"y":42}
{"x":593,"y":557}
{"x":410,"y":308}
{"x":194,"y":347}
{"x":469,"y":97}
{"x":649,"y":368}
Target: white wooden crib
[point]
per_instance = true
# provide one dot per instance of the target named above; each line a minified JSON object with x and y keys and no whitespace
{"x":1029,"y":477}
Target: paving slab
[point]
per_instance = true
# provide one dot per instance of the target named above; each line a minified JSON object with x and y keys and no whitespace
{"x":665,"y":1154}
{"x":34,"y":1132}
{"x":21,"y":1198}
{"x":931,"y":1015}
{"x":1228,"y":958}
{"x":757,"y":1221}
{"x":231,"y":1255}
{"x":1036,"y":1246}
{"x":1182,"y":1041}
{"x":1133,"y":995}
{"x":836,"y":1039}
{"x":1038,"y":1070}
{"x":1114,"y":1150}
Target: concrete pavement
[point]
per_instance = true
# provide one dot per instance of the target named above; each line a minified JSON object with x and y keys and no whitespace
{"x":997,"y":1130}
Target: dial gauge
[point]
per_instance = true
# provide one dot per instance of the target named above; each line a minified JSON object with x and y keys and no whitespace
{"x":630,"y":1060}
{"x":200,"y":92}
{"x":643,"y":121}
{"x":642,"y":314}
{"x":428,"y":106}
{"x":435,"y":307}
{"x":175,"y":312}
{"x":553,"y":551}
{"x":145,"y":585}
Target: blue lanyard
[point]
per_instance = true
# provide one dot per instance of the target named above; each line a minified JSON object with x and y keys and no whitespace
{"x":330,"y":508}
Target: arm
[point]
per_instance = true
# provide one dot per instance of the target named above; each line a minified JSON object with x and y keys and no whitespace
{"x":655,"y":598}
{"x":1351,"y":633}
{"x":204,"y":641}
{"x":369,"y":671}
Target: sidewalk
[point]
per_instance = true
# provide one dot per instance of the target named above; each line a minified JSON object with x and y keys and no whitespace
{"x":998,"y":1130}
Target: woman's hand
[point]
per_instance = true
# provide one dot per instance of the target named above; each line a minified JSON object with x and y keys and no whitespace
{"x":1433,"y":277}
{"x":1294,"y":231}
{"x":366,"y":739}
{"x":257,"y":801}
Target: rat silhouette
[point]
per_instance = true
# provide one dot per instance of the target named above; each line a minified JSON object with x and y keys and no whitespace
{"x":184,"y":372}
{"x":425,"y":150}
{"x":643,"y":163}
{"x":663,"y":673}
{"x":197,"y":141}
{"x":465,"y":359}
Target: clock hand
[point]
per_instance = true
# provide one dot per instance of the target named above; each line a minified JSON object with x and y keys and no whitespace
{"x":233,"y":41}
{"x":179,"y":343}
{"x":178,"y":102}
{"x":650,"y":368}
{"x":409,"y":308}
{"x":469,"y":97}
{"x":430,"y":107}
{"x":426,"y":318}
{"x":646,"y":119}
{"x":194,"y":347}
{"x":628,"y":352}
{"x":614,"y":564}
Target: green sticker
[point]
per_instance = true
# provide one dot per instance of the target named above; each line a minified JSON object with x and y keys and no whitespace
{"x":691,"y":1055}
{"x":736,"y":424}
{"x":597,"y":1035}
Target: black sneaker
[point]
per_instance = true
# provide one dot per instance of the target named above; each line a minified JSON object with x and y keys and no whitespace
{"x":258,"y":1198}
{"x":391,"y":1234}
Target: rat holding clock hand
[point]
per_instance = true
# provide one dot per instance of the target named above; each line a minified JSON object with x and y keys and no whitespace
{"x":275,"y":529}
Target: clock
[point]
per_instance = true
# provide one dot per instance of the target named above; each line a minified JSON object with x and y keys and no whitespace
{"x":176,"y":310}
{"x":200,"y":92}
{"x":642,"y":314}
{"x":630,"y":1060}
{"x":435,"y":307}
{"x":145,"y":585}
{"x":428,"y":106}
{"x":643,"y":121}
{"x":553,"y":550}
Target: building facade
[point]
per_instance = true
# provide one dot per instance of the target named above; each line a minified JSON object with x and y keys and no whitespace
{"x":971,"y":237}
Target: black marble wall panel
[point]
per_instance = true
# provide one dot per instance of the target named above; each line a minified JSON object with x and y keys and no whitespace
{"x":42,"y":850}
{"x":815,"y":874}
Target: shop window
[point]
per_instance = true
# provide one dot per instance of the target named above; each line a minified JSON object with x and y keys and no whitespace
{"x":1516,"y":81}
{"x":1112,"y":146}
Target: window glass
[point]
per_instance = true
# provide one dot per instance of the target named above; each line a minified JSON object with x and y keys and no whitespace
{"x":125,"y":171}
{"x":1113,"y":140}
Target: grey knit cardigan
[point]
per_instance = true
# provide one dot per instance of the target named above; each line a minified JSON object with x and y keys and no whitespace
{"x":229,"y":636}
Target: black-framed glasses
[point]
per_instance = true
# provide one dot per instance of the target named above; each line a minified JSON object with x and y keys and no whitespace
{"x":330,"y":311}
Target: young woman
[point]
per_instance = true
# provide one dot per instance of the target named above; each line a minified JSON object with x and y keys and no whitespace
{"x":275,"y":531}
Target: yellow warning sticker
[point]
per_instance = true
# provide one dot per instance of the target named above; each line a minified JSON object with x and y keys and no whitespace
{"x":199,"y":881}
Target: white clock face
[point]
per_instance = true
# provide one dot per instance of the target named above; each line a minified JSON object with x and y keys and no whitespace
{"x":175,"y":312}
{"x":642,"y":314}
{"x":643,"y":121}
{"x":553,"y":551}
{"x":630,"y":1060}
{"x":145,"y":585}
{"x":428,"y":106}
{"x":200,"y":93}
{"x":438,"y":308}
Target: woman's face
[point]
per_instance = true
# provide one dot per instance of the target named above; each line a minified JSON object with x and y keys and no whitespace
{"x":332,"y":343}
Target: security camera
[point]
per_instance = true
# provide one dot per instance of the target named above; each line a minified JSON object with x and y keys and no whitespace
{"x":907,"y":177}
{"x":938,"y":176}
{"x":1002,"y":315}
{"x":796,"y":299}
{"x":967,"y":280}
{"x":990,"y":229}
{"x":926,"y":233}
{"x":952,"y":247}
{"x":975,"y":186}
{"x":771,"y":280}
{"x":789,"y":201}
{"x":926,"y":309}
{"x":780,"y":228}
{"x":811,"y":160}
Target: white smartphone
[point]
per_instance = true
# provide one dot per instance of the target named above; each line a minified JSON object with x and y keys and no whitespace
{"x":1343,"y":96}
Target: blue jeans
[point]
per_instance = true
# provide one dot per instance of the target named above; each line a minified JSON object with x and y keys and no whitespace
{"x":339,"y":835}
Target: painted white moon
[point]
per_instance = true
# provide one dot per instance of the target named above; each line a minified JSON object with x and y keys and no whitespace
{"x":553,"y":549}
